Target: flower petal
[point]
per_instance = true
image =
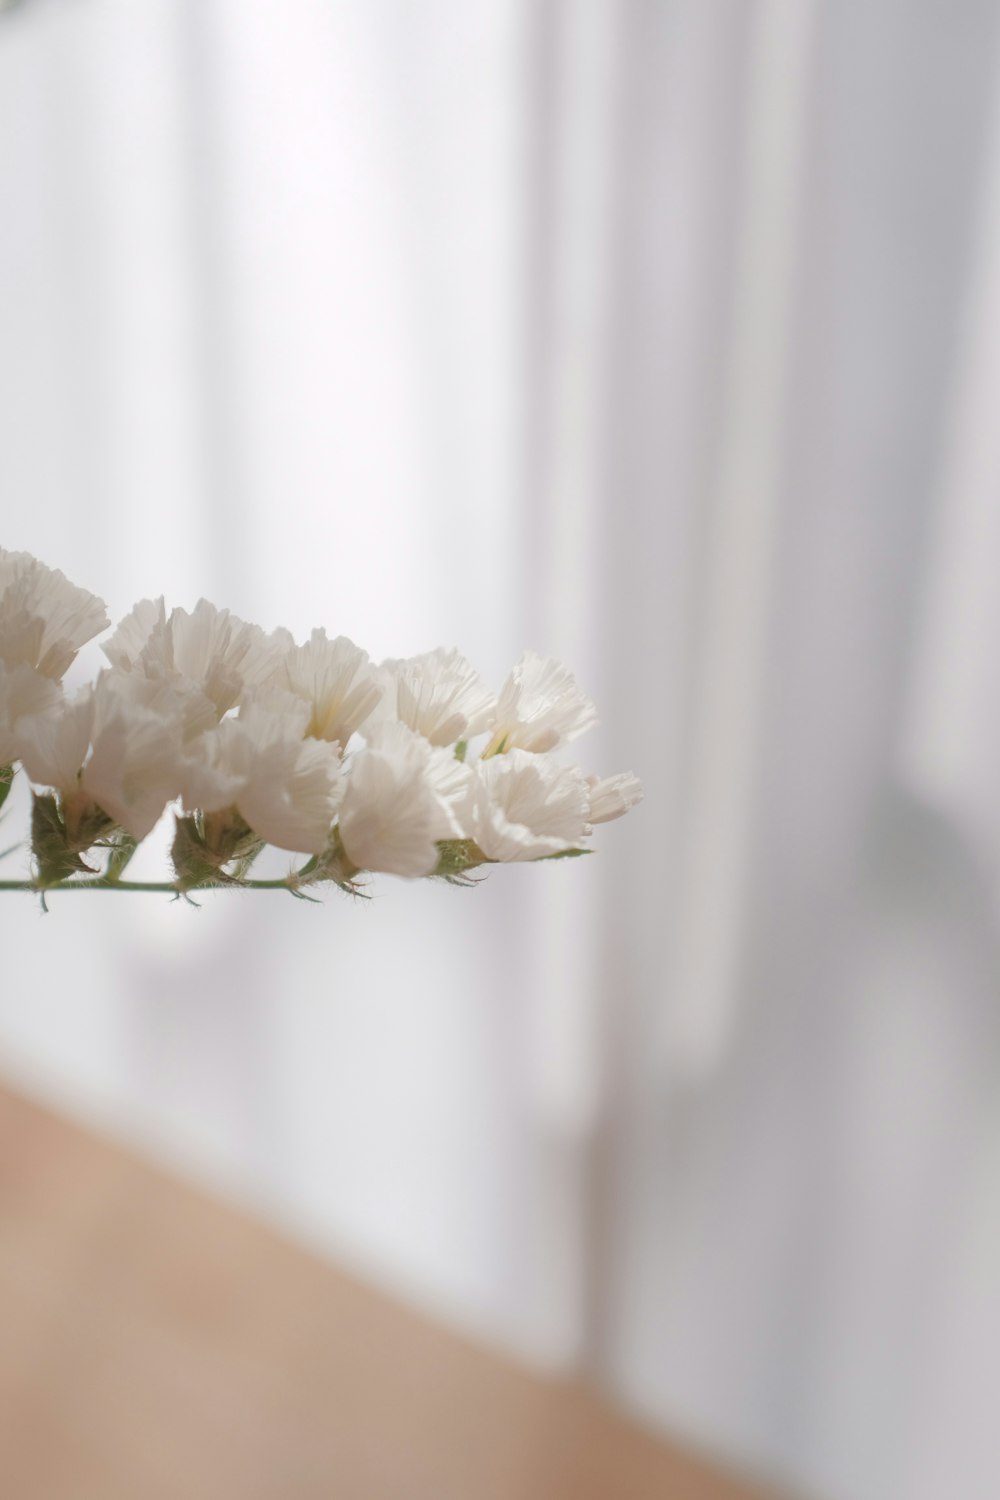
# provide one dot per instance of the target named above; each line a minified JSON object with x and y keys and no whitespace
{"x":525,"y":806}
{"x":540,"y":706}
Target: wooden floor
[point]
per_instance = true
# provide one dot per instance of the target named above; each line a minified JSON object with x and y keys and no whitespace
{"x":155,"y":1345}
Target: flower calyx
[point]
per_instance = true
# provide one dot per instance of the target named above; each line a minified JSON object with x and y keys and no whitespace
{"x":456,"y":857}
{"x":206,"y":845}
{"x":333,"y":865}
{"x":62,"y":830}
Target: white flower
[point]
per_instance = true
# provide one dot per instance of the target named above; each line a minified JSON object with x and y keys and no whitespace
{"x":451,"y":782}
{"x":137,"y":737}
{"x":540,"y":706}
{"x":613,"y":796}
{"x":439,"y":694}
{"x":449,"y":779}
{"x":23,"y":692}
{"x":214,"y":768}
{"x":525,"y":806}
{"x":177,"y":699}
{"x":210,"y":648}
{"x":336,"y":679}
{"x":144,"y":623}
{"x":44,"y":619}
{"x":222,"y":653}
{"x":135,"y":729}
{"x":285,"y":787}
{"x":401,"y":798}
{"x":54,"y":750}
{"x":53,"y":746}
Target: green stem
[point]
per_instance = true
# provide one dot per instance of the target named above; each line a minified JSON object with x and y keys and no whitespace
{"x":163,"y":887}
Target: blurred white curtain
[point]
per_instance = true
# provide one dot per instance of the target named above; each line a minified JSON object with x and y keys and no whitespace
{"x":659,"y":333}
{"x":799,"y":1167}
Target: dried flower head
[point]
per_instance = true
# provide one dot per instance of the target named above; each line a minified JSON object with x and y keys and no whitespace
{"x":255,"y":739}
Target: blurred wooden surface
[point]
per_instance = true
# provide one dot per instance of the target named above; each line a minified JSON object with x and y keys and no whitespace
{"x":156,"y":1345}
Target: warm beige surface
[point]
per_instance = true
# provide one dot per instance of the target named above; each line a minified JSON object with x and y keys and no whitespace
{"x":155,"y":1345}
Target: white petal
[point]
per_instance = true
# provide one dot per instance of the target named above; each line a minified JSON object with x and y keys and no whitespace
{"x":525,"y":807}
{"x":293,"y":787}
{"x":287,"y":789}
{"x":213,"y":771}
{"x":338,"y":682}
{"x":285,"y":712}
{"x":440,"y":695}
{"x":53,"y":746}
{"x":23,"y":692}
{"x":614,"y":796}
{"x":451,"y":782}
{"x":220,"y":652}
{"x":394,"y":738}
{"x":175,"y":699}
{"x":448,"y":779}
{"x":540,"y":706}
{"x":134,"y":766}
{"x":391,"y":818}
{"x":206,"y":648}
{"x":44,"y":619}
{"x":145,"y":622}
{"x":293,"y":796}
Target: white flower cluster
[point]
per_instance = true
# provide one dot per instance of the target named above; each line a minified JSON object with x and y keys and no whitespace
{"x":309,"y":747}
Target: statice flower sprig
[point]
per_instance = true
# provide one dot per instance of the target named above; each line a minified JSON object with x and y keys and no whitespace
{"x":409,"y":767}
